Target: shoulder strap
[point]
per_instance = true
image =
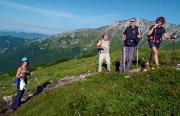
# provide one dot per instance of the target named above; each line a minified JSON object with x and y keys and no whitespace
{"x":100,"y":42}
{"x":154,"y":34}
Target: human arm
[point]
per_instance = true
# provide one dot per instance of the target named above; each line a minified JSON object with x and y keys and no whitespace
{"x":124,"y":33}
{"x":139,"y":36}
{"x":123,"y":36}
{"x":168,"y":37}
{"x":109,"y":48}
{"x":18,"y":73}
{"x":31,"y":73}
{"x":99,"y":45}
{"x":152,"y":29}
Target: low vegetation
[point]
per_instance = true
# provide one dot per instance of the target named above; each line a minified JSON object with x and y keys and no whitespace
{"x":155,"y":92}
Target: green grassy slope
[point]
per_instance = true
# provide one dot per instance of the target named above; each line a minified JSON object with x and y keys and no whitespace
{"x":156,"y":92}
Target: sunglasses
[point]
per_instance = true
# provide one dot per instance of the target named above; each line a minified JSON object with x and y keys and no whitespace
{"x":132,"y":21}
{"x":160,"y":20}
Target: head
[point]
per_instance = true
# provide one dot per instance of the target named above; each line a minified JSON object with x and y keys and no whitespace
{"x":24,"y":61}
{"x":160,"y":20}
{"x":105,"y":37}
{"x":132,"y":22}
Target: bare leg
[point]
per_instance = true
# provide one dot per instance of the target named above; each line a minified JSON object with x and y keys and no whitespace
{"x":155,"y":52}
{"x":151,"y":57}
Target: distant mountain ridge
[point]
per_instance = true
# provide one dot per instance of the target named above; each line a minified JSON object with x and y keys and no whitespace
{"x":23,"y":35}
{"x":7,"y":42}
{"x":75,"y":43}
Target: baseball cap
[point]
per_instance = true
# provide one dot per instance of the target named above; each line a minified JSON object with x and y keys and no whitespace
{"x":133,"y":19}
{"x":24,"y":59}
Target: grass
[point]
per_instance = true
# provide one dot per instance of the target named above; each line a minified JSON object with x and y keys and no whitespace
{"x":156,"y":92}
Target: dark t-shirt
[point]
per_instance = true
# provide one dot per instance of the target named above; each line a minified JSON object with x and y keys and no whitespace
{"x":131,"y":33}
{"x":158,"y":32}
{"x":131,"y":36}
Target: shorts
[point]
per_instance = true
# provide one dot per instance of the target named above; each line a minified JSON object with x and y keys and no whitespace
{"x":154,"y":44}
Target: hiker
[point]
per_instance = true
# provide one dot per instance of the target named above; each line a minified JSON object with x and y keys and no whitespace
{"x":130,"y":36}
{"x":21,"y":74}
{"x":155,"y":39}
{"x":104,"y":47}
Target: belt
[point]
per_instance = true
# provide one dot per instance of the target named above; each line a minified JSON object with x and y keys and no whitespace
{"x":157,"y":41}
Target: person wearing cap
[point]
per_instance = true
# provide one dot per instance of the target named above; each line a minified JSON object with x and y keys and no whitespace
{"x":130,"y":36}
{"x":155,"y":39}
{"x":104,"y":46}
{"x":22,"y":73}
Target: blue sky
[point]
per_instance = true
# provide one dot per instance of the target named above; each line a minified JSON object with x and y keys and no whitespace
{"x":57,"y":16}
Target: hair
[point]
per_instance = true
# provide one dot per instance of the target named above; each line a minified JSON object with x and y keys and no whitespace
{"x":23,"y":62}
{"x":102,"y":36}
{"x":160,"y":18}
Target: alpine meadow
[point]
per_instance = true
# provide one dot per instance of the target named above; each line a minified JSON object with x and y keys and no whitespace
{"x":74,"y":43}
{"x":66,"y":81}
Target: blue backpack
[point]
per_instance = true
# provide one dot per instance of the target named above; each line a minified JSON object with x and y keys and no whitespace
{"x":16,"y":80}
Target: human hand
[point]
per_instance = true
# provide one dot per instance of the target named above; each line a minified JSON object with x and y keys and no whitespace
{"x":21,"y":75}
{"x":139,"y":36}
{"x":173,"y":36}
{"x":124,"y":38}
{"x":32,"y":73}
{"x":156,"y":25}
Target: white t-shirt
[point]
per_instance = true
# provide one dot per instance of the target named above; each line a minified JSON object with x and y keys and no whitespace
{"x":105,"y":44}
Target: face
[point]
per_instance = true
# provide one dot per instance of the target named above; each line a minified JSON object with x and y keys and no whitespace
{"x":132,"y":23}
{"x":106,"y":37}
{"x":25,"y":63}
{"x":159,"y":22}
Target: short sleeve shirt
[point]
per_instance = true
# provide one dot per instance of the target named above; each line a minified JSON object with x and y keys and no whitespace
{"x":158,"y":31}
{"x":106,"y":44}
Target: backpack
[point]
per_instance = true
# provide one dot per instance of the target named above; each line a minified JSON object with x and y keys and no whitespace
{"x":100,"y":44}
{"x":16,"y":80}
{"x":131,"y":40}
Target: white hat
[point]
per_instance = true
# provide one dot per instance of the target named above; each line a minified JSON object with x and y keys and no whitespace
{"x":133,"y":19}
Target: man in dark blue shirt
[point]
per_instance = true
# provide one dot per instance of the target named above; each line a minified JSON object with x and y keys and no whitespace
{"x":131,"y":36}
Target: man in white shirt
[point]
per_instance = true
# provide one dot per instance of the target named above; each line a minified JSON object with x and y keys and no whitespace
{"x":104,"y":47}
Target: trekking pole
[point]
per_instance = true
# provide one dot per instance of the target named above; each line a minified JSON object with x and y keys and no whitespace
{"x":124,"y":58}
{"x":173,"y":45}
{"x":36,"y":79}
{"x":137,"y":58}
{"x":38,"y":82}
{"x":173,"y":52}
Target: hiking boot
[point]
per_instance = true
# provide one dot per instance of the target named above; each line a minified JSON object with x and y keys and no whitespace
{"x":12,"y":110}
{"x":157,"y":66}
{"x":147,"y":66}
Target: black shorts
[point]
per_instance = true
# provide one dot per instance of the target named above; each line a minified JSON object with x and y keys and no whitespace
{"x":154,"y":44}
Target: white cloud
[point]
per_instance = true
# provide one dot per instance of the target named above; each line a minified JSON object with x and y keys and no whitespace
{"x":9,"y":24}
{"x":62,"y":14}
{"x":39,"y":10}
{"x":83,"y":20}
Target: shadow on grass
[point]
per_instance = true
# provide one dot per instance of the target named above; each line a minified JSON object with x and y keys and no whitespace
{"x":39,"y":89}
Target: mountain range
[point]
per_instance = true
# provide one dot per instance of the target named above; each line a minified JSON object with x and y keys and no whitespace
{"x":23,"y":35}
{"x":74,"y":43}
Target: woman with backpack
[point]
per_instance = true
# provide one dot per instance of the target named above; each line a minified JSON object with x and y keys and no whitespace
{"x":21,"y":74}
{"x":155,"y":39}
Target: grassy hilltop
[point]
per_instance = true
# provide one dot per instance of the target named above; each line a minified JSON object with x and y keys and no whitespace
{"x":156,"y":92}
